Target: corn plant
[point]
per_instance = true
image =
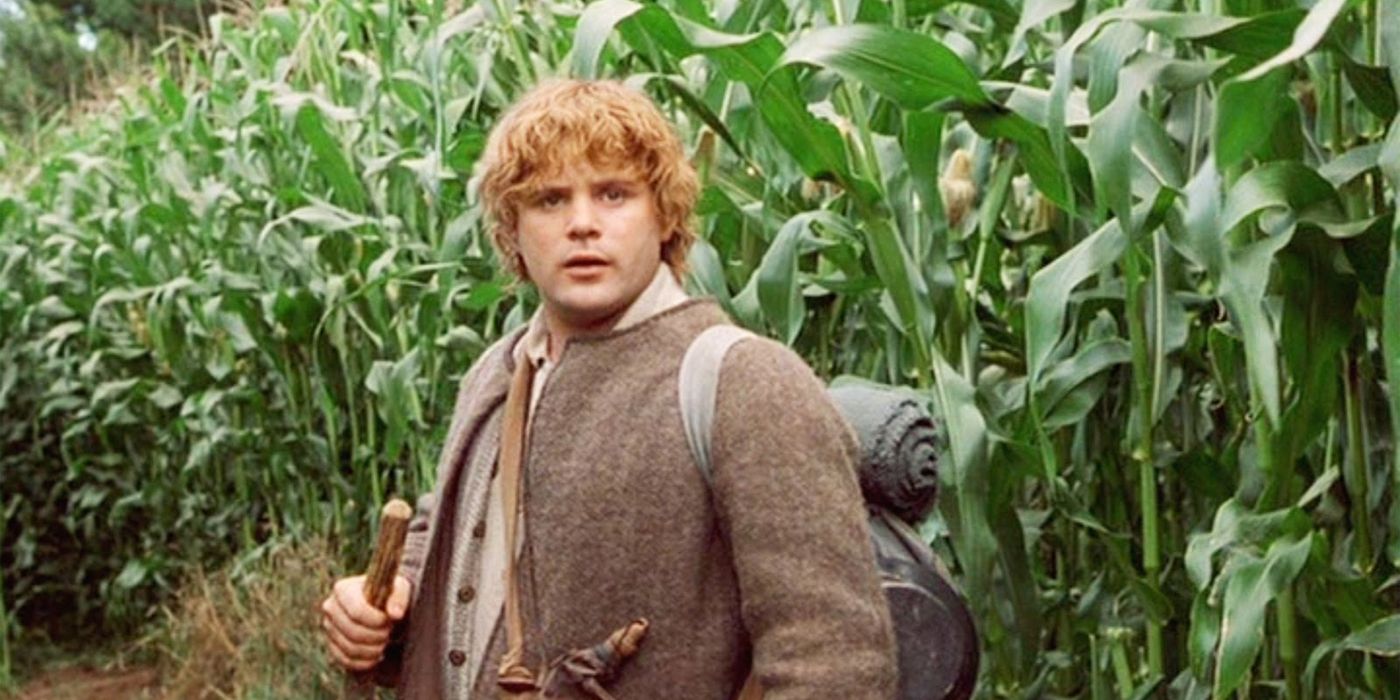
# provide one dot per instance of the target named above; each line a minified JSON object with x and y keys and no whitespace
{"x":209,"y":343}
{"x":1141,"y":258}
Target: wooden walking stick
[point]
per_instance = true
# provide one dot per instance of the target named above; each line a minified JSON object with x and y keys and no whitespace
{"x":379,"y":579}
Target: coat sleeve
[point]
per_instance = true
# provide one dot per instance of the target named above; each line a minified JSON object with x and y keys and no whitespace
{"x":416,"y":544}
{"x":787,"y":497}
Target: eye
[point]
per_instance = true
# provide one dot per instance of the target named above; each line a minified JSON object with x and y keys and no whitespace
{"x":549,"y":200}
{"x":614,"y":194}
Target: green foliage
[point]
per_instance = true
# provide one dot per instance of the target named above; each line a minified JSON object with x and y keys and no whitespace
{"x":136,"y":18}
{"x":47,"y":69}
{"x":44,"y":67}
{"x":196,"y":361}
{"x":1163,"y":337}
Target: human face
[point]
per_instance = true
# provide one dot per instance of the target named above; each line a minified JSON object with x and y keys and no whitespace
{"x":591,"y":242}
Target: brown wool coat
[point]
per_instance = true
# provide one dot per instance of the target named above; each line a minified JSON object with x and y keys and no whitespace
{"x":775,"y":565}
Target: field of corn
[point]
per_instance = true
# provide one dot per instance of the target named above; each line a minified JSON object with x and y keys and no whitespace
{"x":1142,"y":259}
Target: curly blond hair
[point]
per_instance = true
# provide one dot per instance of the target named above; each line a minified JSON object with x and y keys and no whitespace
{"x":564,"y":121}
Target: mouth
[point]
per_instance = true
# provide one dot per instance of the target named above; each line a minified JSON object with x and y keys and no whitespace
{"x":585,"y":262}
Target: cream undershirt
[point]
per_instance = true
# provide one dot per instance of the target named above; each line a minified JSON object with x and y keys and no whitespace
{"x":663,"y":293}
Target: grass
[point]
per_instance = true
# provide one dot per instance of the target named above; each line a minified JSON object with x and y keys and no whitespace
{"x":251,"y":630}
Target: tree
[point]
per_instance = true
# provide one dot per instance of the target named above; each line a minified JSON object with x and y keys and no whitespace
{"x":46,"y":65}
{"x":143,"y":19}
{"x":43,"y":64}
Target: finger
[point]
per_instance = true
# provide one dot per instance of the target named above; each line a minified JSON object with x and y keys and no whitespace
{"x":350,"y":594}
{"x":399,"y":598}
{"x":353,"y":630}
{"x":345,"y":662}
{"x":352,"y":651}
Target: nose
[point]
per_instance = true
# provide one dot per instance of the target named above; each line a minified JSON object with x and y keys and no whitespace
{"x":583,"y":219}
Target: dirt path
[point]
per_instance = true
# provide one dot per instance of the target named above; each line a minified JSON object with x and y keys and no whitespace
{"x":87,"y":684}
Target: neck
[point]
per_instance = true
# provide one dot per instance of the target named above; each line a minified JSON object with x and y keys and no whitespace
{"x":561,"y":332}
{"x":562,"y":324}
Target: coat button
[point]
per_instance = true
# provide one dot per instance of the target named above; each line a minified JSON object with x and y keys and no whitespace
{"x":480,"y":530}
{"x":457,"y":657}
{"x":465,"y":594}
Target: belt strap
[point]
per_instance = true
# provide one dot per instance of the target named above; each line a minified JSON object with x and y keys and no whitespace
{"x":515,"y":679}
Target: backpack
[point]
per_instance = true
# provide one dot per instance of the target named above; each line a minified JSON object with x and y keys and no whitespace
{"x":936,"y":639}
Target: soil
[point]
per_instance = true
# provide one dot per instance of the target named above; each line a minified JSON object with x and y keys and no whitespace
{"x":78,"y":683}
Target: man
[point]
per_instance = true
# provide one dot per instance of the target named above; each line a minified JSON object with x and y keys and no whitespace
{"x":768,"y":571}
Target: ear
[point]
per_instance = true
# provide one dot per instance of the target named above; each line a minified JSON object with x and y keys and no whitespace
{"x":520,"y":270}
{"x":516,"y":264}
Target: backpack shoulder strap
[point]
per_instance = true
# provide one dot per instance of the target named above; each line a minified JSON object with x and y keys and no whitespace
{"x":699,"y":382}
